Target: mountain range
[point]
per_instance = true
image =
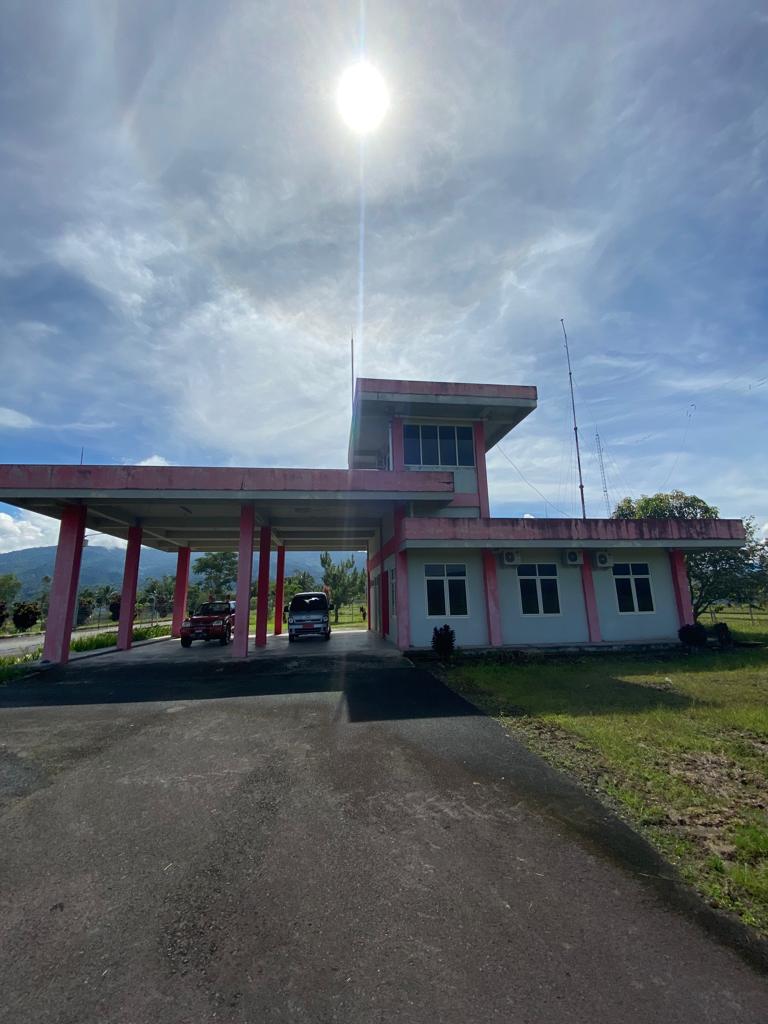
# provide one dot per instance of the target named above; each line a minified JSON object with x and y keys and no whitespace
{"x":105,"y":565}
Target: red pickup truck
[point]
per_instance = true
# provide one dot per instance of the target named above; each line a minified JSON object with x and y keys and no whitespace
{"x":212,"y":621}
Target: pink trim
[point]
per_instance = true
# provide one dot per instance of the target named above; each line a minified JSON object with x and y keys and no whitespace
{"x":85,"y":479}
{"x":130,"y":585}
{"x":279,"y":589}
{"x":66,"y":575}
{"x":401,"y":595}
{"x":572,"y":531}
{"x":244,"y":574}
{"x":398,"y":446}
{"x":482,"y":476}
{"x":384,"y":587}
{"x":180,"y":591}
{"x":492,"y":606}
{"x":368,"y":598}
{"x":432,"y":387}
{"x":262,"y":593}
{"x":682,"y":588}
{"x":590,"y":602}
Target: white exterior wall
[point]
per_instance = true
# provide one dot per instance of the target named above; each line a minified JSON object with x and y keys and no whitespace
{"x":661,"y":623}
{"x":471,"y":630}
{"x":569,"y":627}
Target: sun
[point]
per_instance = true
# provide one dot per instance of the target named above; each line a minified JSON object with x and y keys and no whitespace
{"x":362,"y":97}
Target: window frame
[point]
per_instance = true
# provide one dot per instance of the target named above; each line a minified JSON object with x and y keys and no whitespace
{"x":446,"y":593}
{"x":631,"y":577}
{"x":440,"y":465}
{"x":548,"y":576}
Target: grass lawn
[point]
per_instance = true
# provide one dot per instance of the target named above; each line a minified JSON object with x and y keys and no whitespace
{"x":677,"y":743}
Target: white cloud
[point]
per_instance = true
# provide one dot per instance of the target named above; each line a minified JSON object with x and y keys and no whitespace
{"x":13,"y":420}
{"x":28,"y":530}
{"x":153,"y":460}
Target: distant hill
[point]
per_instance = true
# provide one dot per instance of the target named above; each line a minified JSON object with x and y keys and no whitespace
{"x":105,"y":565}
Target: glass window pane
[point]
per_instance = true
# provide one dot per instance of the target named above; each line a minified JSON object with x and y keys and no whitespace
{"x":447,"y":446}
{"x":429,"y":453}
{"x":455,"y":570}
{"x":465,"y":446}
{"x":624,"y":594}
{"x":640,"y":569}
{"x":529,"y":597}
{"x":526,"y":570}
{"x":547,"y":569}
{"x":432,"y":569}
{"x":457,"y":596}
{"x":644,"y":598}
{"x":435,"y":597}
{"x":550,"y":600}
{"x":621,"y":569}
{"x":411,"y":445}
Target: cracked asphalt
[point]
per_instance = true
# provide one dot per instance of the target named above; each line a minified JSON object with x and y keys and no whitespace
{"x":334,"y":837}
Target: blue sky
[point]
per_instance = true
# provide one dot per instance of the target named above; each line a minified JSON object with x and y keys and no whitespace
{"x":178,"y":237}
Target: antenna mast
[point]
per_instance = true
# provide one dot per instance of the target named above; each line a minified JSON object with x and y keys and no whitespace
{"x":575,"y":427}
{"x":599,"y":447}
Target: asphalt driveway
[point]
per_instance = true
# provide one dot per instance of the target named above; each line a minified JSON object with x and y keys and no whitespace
{"x":196,"y":839}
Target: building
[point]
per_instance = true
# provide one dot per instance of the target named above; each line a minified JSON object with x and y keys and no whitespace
{"x":415,"y":496}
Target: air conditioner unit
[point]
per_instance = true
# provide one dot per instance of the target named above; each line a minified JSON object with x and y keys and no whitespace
{"x":602,"y":559}
{"x":573,"y":557}
{"x":510,"y":558}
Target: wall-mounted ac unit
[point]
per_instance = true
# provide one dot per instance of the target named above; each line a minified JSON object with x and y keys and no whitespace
{"x":602,"y":559}
{"x":510,"y":558}
{"x":573,"y":557}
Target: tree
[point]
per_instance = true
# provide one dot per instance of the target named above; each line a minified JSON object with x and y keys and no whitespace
{"x":345,"y":582}
{"x":45,"y":594}
{"x":195,"y":596}
{"x":738,"y":575}
{"x":25,"y":615}
{"x":86,"y":602}
{"x":299,"y":582}
{"x":3,"y":613}
{"x":114,"y":607}
{"x":10,"y":587}
{"x":103,"y":596}
{"x":218,"y":571}
{"x":159,"y":595}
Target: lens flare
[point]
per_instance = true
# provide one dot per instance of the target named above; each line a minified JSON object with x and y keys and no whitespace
{"x":362,"y":97}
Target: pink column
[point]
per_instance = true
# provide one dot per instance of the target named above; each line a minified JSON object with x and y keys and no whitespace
{"x":384,"y":592}
{"x":180,"y":591}
{"x":262,"y":594}
{"x":398,"y":455}
{"x":682,"y":588}
{"x":368,"y":597}
{"x":403,"y":610}
{"x":130,"y":584}
{"x":492,"y":607}
{"x":590,"y":601}
{"x":279,"y":589}
{"x":66,"y":574}
{"x":482,"y":476}
{"x":244,"y":574}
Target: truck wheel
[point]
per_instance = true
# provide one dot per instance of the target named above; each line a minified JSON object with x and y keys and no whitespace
{"x":225,"y":639}
{"x":327,"y":636}
{"x":291,"y":638}
{"x":186,"y":642}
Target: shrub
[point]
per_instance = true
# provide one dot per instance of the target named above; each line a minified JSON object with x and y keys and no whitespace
{"x":443,"y":642}
{"x":3,"y":613}
{"x":114,"y":608}
{"x":722,"y":634}
{"x":25,"y":615}
{"x":693,"y":636}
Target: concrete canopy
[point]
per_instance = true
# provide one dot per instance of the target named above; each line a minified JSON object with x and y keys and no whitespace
{"x":199,"y":507}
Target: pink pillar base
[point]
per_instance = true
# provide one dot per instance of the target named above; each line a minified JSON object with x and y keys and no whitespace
{"x":180,"y":591}
{"x":590,"y":601}
{"x":66,"y":575}
{"x":681,"y":587}
{"x":279,"y":589}
{"x":130,"y":584}
{"x":244,"y":574}
{"x":492,"y":606}
{"x":262,"y":595}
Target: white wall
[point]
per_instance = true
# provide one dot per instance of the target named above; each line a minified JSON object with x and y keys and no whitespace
{"x":660,"y":624}
{"x":471,"y":630}
{"x":570,"y":626}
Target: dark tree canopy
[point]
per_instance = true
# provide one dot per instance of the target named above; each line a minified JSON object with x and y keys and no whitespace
{"x":218,"y":573}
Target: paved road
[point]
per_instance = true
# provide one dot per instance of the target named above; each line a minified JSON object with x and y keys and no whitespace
{"x":196,"y":839}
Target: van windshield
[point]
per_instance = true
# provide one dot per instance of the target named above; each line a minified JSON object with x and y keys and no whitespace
{"x":309,"y":603}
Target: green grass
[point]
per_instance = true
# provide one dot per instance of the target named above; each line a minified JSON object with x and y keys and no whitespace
{"x":743,"y":623}
{"x":14,"y":665}
{"x":99,"y":640}
{"x":678,"y":744}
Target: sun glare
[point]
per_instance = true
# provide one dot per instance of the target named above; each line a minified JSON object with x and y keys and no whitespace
{"x":363,"y":97}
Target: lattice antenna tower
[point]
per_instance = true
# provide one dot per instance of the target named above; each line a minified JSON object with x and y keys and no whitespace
{"x":599,"y":449}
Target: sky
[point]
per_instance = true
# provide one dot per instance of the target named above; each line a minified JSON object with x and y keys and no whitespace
{"x":180,"y":223}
